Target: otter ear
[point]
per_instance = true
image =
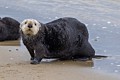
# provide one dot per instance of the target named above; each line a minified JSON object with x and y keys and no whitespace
{"x":41,"y":24}
{"x":20,"y":26}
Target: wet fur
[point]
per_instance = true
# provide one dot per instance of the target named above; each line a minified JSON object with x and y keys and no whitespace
{"x":64,"y":38}
{"x":9,"y":29}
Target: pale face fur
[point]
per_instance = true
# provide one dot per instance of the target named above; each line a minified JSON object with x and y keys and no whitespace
{"x":30,"y":27}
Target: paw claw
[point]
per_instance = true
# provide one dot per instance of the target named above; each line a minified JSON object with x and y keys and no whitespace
{"x":35,"y":61}
{"x":31,"y":58}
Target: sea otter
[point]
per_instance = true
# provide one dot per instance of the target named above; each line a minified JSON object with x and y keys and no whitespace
{"x":64,"y":38}
{"x":9,"y":29}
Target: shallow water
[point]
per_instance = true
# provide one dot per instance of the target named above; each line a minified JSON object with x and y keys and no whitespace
{"x":100,"y":16}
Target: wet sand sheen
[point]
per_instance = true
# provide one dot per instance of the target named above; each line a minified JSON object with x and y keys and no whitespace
{"x":50,"y":71}
{"x":10,"y":43}
{"x":15,"y":65}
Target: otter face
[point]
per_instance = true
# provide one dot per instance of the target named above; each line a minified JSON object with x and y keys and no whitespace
{"x":30,"y":27}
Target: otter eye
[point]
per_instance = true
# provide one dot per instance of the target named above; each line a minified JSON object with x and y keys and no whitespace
{"x":26,"y":22}
{"x":35,"y":24}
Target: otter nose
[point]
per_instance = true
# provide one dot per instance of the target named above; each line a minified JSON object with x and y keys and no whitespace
{"x":29,"y":25}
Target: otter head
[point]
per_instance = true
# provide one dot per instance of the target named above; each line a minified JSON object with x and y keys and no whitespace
{"x":30,"y":27}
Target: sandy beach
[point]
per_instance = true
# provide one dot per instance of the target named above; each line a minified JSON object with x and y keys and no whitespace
{"x":15,"y":65}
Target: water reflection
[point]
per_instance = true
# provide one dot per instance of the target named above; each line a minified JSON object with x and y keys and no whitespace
{"x":109,"y":64}
{"x":87,"y":63}
{"x":10,"y":43}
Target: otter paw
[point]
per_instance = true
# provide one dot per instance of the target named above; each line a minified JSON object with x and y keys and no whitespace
{"x":35,"y":61}
{"x":32,"y":58}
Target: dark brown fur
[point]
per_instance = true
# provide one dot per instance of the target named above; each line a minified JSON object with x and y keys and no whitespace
{"x":9,"y":29}
{"x":64,"y":38}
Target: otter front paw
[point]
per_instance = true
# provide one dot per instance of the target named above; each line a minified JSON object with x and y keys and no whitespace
{"x":36,"y":61}
{"x":32,"y":58}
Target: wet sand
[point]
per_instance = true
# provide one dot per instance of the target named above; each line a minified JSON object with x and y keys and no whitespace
{"x":15,"y":65}
{"x":10,"y":43}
